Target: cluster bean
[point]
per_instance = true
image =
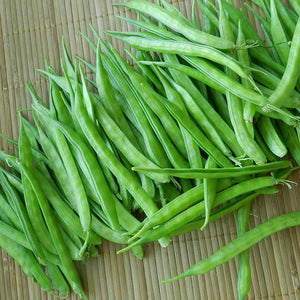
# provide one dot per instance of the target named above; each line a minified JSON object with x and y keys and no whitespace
{"x":195,"y":129}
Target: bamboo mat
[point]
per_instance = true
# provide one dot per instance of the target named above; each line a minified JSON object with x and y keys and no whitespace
{"x":31,"y":30}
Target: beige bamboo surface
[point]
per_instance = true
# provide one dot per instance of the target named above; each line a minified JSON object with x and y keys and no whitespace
{"x":31,"y":30}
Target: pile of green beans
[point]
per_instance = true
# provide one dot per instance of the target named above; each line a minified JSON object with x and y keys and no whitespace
{"x":197,"y":130}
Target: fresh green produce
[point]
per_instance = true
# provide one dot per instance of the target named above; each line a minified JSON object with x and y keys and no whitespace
{"x":243,"y":243}
{"x":196,"y":131}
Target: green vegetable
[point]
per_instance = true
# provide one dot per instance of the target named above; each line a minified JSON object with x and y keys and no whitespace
{"x":132,"y":155}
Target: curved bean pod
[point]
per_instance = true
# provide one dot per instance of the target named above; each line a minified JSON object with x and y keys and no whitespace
{"x":243,"y":57}
{"x":209,"y":185}
{"x":91,"y":169}
{"x":69,"y":165}
{"x":190,"y":105}
{"x":227,"y":209}
{"x":27,"y":262}
{"x":193,"y":212}
{"x":58,"y":280}
{"x":153,"y":101}
{"x":296,"y":6}
{"x":242,"y":243}
{"x":181,"y":48}
{"x":235,"y":105}
{"x":92,"y":135}
{"x":291,"y":73}
{"x":202,"y":111}
{"x":55,"y":233}
{"x":291,"y":140}
{"x":214,"y":78}
{"x":271,"y":137}
{"x":178,"y":25}
{"x":31,"y":202}
{"x":108,"y":99}
{"x":178,"y":205}
{"x":278,"y":35}
{"x":134,"y":156}
{"x":244,"y":269}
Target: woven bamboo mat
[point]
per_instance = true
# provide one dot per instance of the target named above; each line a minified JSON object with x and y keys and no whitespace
{"x":31,"y":30}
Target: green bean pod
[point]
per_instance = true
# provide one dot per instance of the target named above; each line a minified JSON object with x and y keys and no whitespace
{"x":134,"y":156}
{"x":235,"y":106}
{"x":213,"y":77}
{"x":209,"y":185}
{"x":249,"y":108}
{"x":279,"y":38}
{"x":296,"y":6}
{"x":70,"y":167}
{"x":291,"y":140}
{"x":178,"y":25}
{"x":69,"y":64}
{"x":55,"y":233}
{"x":242,"y":243}
{"x":153,"y":101}
{"x":27,"y":262}
{"x":11,"y":211}
{"x":196,"y":210}
{"x":108,"y":99}
{"x":227,"y":209}
{"x":91,"y":133}
{"x":58,"y":280}
{"x":153,"y":147}
{"x":283,"y":12}
{"x":180,"y":48}
{"x":221,"y":172}
{"x":91,"y":169}
{"x":202,"y":111}
{"x":176,"y":206}
{"x":291,"y":73}
{"x":244,"y":269}
{"x":65,"y":213}
{"x":59,"y":103}
{"x":271,"y":136}
{"x":14,"y":234}
{"x":22,"y":214}
{"x":31,"y":202}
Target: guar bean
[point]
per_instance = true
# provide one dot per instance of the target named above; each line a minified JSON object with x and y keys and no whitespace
{"x":221,"y":172}
{"x":193,"y":212}
{"x":178,"y":25}
{"x":227,"y":209}
{"x":242,"y":243}
{"x":291,"y":73}
{"x":209,"y":185}
{"x":27,"y":262}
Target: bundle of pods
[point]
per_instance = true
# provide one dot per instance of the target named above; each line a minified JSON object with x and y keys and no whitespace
{"x":196,"y":131}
